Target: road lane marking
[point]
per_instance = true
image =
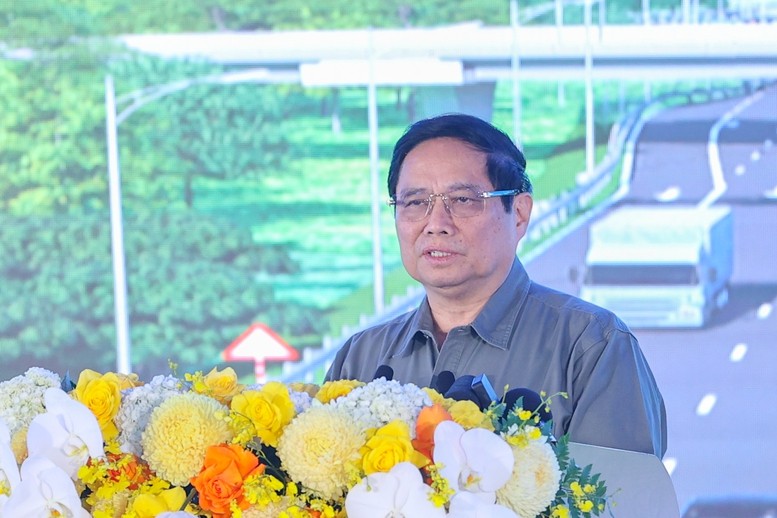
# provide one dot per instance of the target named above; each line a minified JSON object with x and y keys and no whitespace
{"x":706,"y":404}
{"x":669,"y":194}
{"x":670,"y":463}
{"x":764,"y":310}
{"x":713,"y":150}
{"x":738,"y":352}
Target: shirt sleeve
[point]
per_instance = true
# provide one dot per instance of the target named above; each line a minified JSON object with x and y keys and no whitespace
{"x":617,"y":403}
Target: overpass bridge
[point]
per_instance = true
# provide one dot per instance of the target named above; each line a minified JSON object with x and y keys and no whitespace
{"x":487,"y":53}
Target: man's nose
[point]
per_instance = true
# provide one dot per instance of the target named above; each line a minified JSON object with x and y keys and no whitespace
{"x":439,"y":214}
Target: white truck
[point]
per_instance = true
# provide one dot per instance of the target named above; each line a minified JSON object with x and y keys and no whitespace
{"x":660,"y":266}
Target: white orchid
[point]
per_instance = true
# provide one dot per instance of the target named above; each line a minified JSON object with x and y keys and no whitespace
{"x":468,"y":505}
{"x":175,"y":514}
{"x":9,"y":470}
{"x":44,"y":490}
{"x":477,"y":460}
{"x":67,"y":433}
{"x":400,"y":492}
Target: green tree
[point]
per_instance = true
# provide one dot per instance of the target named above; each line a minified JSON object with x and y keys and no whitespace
{"x":192,"y":290}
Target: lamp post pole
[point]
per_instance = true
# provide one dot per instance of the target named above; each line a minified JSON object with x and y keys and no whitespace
{"x":589,"y":96}
{"x":515,"y":65}
{"x":138,"y":99}
{"x":377,"y":246}
{"x":121,"y":313}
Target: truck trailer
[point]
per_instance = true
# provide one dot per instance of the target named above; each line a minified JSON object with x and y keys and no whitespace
{"x":660,"y":266}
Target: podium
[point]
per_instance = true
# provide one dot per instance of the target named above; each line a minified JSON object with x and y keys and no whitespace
{"x":639,"y":483}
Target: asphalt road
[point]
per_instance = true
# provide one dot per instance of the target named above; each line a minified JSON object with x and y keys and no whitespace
{"x":719,"y":382}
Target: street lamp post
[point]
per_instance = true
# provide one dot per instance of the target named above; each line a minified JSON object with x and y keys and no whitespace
{"x":589,"y":96}
{"x":137,"y":99}
{"x":515,"y":64}
{"x":120,"y":311}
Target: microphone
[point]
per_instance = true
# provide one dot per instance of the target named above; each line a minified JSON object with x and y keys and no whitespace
{"x":531,"y":401}
{"x":384,"y":371}
{"x":461,"y":390}
{"x":472,"y":388}
{"x":444,"y":381}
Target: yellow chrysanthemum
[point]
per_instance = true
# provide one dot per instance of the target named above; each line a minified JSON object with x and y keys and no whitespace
{"x":534,"y":482}
{"x":332,"y":390}
{"x":320,"y":449}
{"x":271,"y":510}
{"x":270,"y":409}
{"x":178,"y":433}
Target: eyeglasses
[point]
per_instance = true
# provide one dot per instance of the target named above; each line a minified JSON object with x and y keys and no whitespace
{"x":461,"y":203}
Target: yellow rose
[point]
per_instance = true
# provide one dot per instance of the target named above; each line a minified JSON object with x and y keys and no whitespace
{"x":146,"y":505}
{"x":102,"y":395}
{"x":128,"y":381}
{"x":389,"y":446}
{"x":269,"y":409}
{"x":332,"y":390}
{"x":469,"y":416}
{"x":220,"y":385}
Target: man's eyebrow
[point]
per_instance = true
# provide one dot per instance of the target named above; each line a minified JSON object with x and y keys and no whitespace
{"x":412,"y":191}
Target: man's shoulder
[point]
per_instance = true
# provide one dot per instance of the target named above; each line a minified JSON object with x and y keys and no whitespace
{"x":572,"y":307}
{"x":392,"y":328}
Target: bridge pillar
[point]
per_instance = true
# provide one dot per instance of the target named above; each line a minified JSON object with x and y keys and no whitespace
{"x":473,"y":99}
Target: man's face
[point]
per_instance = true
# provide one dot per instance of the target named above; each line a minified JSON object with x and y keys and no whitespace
{"x":450,"y":256}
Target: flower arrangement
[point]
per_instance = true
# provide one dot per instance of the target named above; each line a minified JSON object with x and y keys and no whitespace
{"x":205,"y":445}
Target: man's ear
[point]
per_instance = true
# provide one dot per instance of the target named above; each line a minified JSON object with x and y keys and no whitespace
{"x":522,"y":206}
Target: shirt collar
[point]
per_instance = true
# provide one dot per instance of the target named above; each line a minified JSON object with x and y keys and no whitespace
{"x":495,"y":322}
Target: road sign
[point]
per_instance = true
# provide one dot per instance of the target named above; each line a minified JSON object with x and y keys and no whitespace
{"x":259,"y":344}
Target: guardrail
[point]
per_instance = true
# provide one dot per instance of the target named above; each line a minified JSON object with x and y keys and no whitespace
{"x":549,"y":219}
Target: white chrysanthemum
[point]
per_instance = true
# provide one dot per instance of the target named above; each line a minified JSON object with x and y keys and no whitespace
{"x":320,"y":449}
{"x":179,"y":433}
{"x":380,"y":402}
{"x":534,"y":482}
{"x":137,"y":403}
{"x":21,"y":397}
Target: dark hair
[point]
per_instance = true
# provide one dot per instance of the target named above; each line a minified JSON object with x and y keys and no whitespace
{"x":505,"y":164}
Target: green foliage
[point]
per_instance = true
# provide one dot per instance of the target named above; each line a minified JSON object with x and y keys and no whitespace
{"x":52,"y":129}
{"x":581,"y":492}
{"x":192,"y":290}
{"x":222,"y":132}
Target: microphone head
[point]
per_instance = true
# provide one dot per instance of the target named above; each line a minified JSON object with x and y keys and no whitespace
{"x":461,"y":390}
{"x":384,"y":371}
{"x":531,"y":401}
{"x":444,"y":382}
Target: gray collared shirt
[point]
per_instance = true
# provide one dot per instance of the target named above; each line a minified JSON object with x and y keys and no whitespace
{"x":528,"y":335}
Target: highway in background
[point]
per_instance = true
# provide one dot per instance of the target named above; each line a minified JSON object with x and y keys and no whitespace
{"x":718,"y":382}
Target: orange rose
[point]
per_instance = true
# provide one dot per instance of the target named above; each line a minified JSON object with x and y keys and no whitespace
{"x":427,"y":422}
{"x":220,"y":480}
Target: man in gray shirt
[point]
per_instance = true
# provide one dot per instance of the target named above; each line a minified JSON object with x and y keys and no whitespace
{"x":462,"y":202}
